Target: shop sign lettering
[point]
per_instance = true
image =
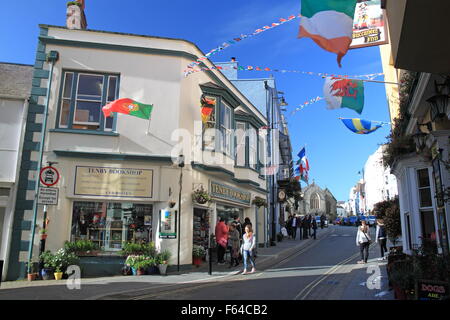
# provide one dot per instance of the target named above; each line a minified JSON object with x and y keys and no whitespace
{"x":228,"y":193}
{"x":431,"y":290}
{"x":113,"y":182}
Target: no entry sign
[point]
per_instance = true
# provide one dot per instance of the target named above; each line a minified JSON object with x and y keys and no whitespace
{"x":49,"y":176}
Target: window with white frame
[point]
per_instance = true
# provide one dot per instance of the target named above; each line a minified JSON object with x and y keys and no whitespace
{"x":240,"y":144}
{"x":426,"y":204}
{"x":83,"y":96}
{"x":226,"y":127}
{"x":252,"y":148}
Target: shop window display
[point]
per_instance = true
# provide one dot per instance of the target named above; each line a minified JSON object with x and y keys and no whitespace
{"x":228,"y":212}
{"x":201,"y":228}
{"x":111,"y":224}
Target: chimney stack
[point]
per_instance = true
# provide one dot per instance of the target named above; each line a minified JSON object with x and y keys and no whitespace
{"x":75,"y":17}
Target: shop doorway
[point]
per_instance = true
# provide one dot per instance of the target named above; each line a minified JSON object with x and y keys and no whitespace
{"x":201,"y":228}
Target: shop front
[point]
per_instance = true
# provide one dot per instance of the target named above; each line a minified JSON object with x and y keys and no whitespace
{"x":108,"y":204}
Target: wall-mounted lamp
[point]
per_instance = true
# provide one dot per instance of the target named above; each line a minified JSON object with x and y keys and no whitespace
{"x":439,"y":102}
{"x":420,"y":140}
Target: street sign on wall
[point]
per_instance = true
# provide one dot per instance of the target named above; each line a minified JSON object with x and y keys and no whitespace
{"x":49,"y":176}
{"x":48,"y":196}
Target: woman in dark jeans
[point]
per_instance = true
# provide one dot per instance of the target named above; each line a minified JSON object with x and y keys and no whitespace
{"x":363,"y":241}
{"x":381,"y":237}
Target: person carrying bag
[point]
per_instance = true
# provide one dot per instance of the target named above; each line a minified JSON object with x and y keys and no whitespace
{"x":363,"y":241}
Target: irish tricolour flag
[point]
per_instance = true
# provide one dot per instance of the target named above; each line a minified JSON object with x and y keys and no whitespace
{"x":329,"y":23}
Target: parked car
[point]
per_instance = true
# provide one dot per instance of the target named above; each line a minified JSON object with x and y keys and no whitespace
{"x":337,"y":221}
{"x":372,"y":220}
{"x":353,"y":220}
{"x":345,"y":221}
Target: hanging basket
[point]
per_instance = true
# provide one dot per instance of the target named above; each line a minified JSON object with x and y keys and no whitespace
{"x":201,"y":196}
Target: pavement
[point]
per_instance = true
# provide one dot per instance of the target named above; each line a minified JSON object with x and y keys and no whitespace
{"x":123,"y":287}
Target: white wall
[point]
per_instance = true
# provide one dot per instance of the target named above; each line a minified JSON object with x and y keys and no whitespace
{"x":380,"y":184}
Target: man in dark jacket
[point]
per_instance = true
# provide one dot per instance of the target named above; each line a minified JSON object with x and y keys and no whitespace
{"x":305,"y":227}
{"x":314,"y":226}
{"x":300,"y":227}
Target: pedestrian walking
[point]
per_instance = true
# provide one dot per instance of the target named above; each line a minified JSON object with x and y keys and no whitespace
{"x":221,"y":239}
{"x":322,"y":221}
{"x":299,"y":225}
{"x":234,"y":241}
{"x":314,"y":226}
{"x":309,"y":225}
{"x":294,"y":227}
{"x":381,"y":238}
{"x":288,"y":226}
{"x":247,"y":247}
{"x":246,"y":223}
{"x":363,"y":241}
{"x":305,"y":227}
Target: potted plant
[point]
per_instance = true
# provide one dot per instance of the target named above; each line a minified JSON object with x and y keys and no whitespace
{"x":131,"y":262}
{"x":201,"y":196}
{"x":43,"y":233}
{"x":151,"y":265}
{"x":163,"y":261}
{"x":61,"y":260}
{"x":198,"y":252}
{"x":47,"y":261}
{"x":73,"y":3}
{"x":31,"y":271}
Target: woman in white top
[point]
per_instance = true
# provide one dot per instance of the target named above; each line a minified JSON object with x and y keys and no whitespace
{"x":363,"y":241}
{"x":247,"y":247}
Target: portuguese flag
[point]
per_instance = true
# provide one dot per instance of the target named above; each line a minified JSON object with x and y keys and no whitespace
{"x":329,"y":23}
{"x":128,"y":106}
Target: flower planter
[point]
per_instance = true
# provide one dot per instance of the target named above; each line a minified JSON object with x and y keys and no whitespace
{"x":162,"y":269}
{"x":44,"y":236}
{"x":134,"y":271}
{"x":47,"y":274}
{"x":31,"y":276}
{"x":197,"y":261}
{"x":58,"y":275}
{"x":152,"y":270}
{"x":140,"y":272}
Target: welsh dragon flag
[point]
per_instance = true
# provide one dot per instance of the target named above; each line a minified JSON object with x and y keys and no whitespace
{"x":329,"y":23}
{"x":344,"y":93}
{"x":130,"y":107}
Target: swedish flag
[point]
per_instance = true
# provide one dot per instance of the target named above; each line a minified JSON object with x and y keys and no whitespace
{"x":361,"y":126}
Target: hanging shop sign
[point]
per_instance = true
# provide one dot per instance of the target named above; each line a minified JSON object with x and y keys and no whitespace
{"x":48,"y":196}
{"x":113,"y":182}
{"x":369,"y":25}
{"x":221,"y":191}
{"x":49,"y":176}
{"x":167,"y":224}
{"x":431,"y":290}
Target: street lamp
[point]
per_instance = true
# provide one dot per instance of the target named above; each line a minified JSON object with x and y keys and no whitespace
{"x":180,"y":165}
{"x":439,"y":102}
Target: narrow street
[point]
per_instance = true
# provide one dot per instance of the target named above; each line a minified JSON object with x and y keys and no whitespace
{"x":325,"y":269}
{"x":322,"y":269}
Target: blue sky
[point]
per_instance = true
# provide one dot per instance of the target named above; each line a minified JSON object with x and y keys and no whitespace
{"x":335,"y":154}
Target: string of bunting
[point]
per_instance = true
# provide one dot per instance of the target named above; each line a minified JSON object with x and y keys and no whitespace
{"x":370,"y":76}
{"x":307,"y":103}
{"x":228,"y":43}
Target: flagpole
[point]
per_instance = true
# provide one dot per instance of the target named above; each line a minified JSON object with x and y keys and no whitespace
{"x":148,"y":128}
